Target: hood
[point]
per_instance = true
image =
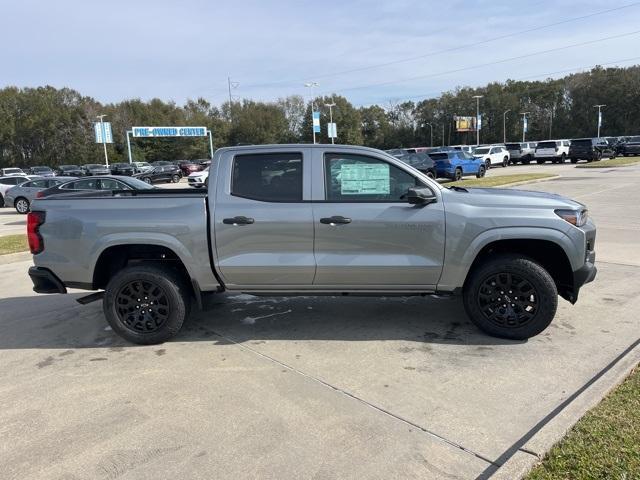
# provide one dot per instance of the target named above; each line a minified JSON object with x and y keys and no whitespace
{"x":507,"y":197}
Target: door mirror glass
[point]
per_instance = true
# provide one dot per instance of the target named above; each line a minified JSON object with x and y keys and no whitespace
{"x":421,"y":196}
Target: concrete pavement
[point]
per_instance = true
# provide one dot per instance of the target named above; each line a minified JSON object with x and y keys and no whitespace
{"x":308,"y":387}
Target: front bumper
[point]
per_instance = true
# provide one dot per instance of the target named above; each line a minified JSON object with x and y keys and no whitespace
{"x":45,"y":281}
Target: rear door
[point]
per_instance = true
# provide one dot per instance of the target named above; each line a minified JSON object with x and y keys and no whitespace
{"x":366,"y":234}
{"x":262,"y":219}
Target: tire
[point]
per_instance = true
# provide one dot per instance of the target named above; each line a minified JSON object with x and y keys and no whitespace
{"x":526,"y":160}
{"x":206,"y":182}
{"x":487,"y":164}
{"x":147,"y":180}
{"x":457,"y":174}
{"x":505,"y":162}
{"x":430,"y":175}
{"x":175,"y":178}
{"x":574,"y":160}
{"x":540,"y":161}
{"x":563,"y":158}
{"x":1,"y":201}
{"x":483,"y":295}
{"x":158,"y":324}
{"x":597,"y":156}
{"x":22,"y":205}
{"x":481,"y":172}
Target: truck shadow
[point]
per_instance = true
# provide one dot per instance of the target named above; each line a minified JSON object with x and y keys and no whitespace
{"x":60,"y":322}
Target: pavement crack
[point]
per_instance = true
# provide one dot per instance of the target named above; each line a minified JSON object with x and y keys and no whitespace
{"x":530,"y":452}
{"x":361,"y":400}
{"x":618,"y":264}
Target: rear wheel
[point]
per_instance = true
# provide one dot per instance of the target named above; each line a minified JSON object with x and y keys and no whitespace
{"x":526,"y":160}
{"x":597,"y":156}
{"x":563,"y":158}
{"x":430,"y":174}
{"x":148,"y":180}
{"x":487,"y":164}
{"x":175,"y":178}
{"x":147,"y":304}
{"x":540,"y":161}
{"x":22,"y":205}
{"x":482,"y":171}
{"x":574,"y":160}
{"x":510,"y":297}
{"x":1,"y":201}
{"x":457,"y":174}
{"x":505,"y":162}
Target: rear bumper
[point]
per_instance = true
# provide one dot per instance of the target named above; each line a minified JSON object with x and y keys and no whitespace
{"x":45,"y":281}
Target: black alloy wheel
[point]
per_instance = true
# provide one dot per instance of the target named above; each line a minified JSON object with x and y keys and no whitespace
{"x":507,"y":300}
{"x":142,"y":306}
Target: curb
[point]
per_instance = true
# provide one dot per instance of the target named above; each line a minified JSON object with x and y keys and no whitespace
{"x":526,"y":182}
{"x":532,"y":452}
{"x":15,"y":257}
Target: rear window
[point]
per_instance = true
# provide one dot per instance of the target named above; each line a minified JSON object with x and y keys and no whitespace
{"x":9,"y":171}
{"x":513,"y":146}
{"x":635,"y":139}
{"x":439,"y":156}
{"x":546,"y":145}
{"x":581,"y":142}
{"x":270,"y":177}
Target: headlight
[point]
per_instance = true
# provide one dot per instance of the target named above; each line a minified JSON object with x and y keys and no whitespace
{"x":574,"y":217}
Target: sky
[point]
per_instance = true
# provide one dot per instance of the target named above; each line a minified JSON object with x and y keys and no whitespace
{"x":372,"y":52}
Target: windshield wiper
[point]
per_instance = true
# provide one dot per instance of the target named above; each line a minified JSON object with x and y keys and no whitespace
{"x":457,"y":188}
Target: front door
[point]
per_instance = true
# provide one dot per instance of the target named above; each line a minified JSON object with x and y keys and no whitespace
{"x":366,"y":234}
{"x":263,"y":222}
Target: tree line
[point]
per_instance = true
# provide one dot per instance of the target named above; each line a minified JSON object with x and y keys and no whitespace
{"x":49,"y":126}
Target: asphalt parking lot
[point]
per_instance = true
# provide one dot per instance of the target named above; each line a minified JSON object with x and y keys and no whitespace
{"x":308,"y":387}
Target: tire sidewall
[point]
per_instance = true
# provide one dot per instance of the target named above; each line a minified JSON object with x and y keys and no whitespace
{"x":524,"y":267}
{"x":18,"y":201}
{"x":175,"y":289}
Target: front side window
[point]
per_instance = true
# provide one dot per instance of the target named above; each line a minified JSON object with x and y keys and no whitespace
{"x":9,"y":181}
{"x":268,"y":177}
{"x":88,"y":184}
{"x":110,"y":184}
{"x":357,"y":178}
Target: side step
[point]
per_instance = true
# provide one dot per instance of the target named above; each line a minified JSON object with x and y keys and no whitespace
{"x":94,"y":297}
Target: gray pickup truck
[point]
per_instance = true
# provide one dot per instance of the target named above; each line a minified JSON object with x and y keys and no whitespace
{"x":313,"y":220}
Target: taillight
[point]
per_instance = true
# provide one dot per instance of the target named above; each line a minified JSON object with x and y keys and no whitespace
{"x":34,"y":220}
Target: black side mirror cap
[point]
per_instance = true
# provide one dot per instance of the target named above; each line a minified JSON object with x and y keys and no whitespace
{"x":421,"y":196}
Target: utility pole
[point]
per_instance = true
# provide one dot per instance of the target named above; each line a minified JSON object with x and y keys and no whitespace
{"x":430,"y":128}
{"x":524,"y":124}
{"x":312,"y":85}
{"x":504,"y":126}
{"x":104,"y":140}
{"x":331,"y":105}
{"x":477,"y":97}
{"x":599,"y":107}
{"x":443,"y":134}
{"x":231,"y":85}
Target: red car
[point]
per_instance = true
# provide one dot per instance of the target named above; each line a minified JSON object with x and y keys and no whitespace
{"x":189,"y":167}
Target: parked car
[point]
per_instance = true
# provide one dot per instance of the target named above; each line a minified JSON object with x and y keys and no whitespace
{"x":631,"y":146}
{"x":187,"y":167}
{"x":93,"y":169}
{"x":199,"y":179}
{"x":12,"y":172}
{"x":127,"y":169}
{"x":555,"y":150}
{"x":21,"y":196}
{"x":492,"y":155}
{"x":590,"y":149}
{"x":396,"y":152}
{"x":421,"y":162}
{"x":42,"y":171}
{"x":464,"y":148}
{"x":359,"y":223}
{"x":521,"y":152}
{"x":163,"y":173}
{"x":456,"y":164}
{"x":7,"y":183}
{"x":69,"y":171}
{"x":95,"y":183}
{"x":142,"y":167}
{"x":161,"y":163}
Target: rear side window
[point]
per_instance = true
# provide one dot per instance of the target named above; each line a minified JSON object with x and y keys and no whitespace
{"x":88,"y":184}
{"x":357,"y":178}
{"x":268,"y":177}
{"x":37,"y":184}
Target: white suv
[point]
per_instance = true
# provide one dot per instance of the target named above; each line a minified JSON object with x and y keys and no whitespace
{"x":492,"y":155}
{"x":555,"y":150}
{"x":199,"y":179}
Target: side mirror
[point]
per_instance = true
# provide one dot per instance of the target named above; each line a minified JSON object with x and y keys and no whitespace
{"x":421,"y":196}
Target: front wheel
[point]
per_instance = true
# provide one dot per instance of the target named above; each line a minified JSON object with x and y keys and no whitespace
{"x":457,"y":174}
{"x":487,"y":164}
{"x":510,"y":296}
{"x":175,"y":178}
{"x":574,"y":160}
{"x":505,"y":162}
{"x":148,"y":180}
{"x":481,"y":172}
{"x":22,"y":205}
{"x":147,"y":304}
{"x":526,"y":161}
{"x":1,"y":201}
{"x":430,"y":175}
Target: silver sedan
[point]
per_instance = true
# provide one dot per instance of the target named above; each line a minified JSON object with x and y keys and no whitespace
{"x":22,"y":195}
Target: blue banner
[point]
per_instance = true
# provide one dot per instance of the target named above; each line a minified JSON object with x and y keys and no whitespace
{"x":316,"y":121}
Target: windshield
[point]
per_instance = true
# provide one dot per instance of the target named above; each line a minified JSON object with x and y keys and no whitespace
{"x":481,"y":150}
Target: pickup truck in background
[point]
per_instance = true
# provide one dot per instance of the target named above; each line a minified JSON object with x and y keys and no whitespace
{"x":313,"y":220}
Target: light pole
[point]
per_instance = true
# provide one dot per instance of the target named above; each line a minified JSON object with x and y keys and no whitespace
{"x":430,"y":128}
{"x":504,"y":126}
{"x":104,"y":140}
{"x":524,"y":124}
{"x":599,"y":107}
{"x":477,"y":97}
{"x":312,"y":85}
{"x":443,"y":134}
{"x":331,"y":105}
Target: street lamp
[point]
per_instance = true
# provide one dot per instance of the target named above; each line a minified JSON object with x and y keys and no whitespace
{"x":477,"y":97}
{"x":524,"y":124}
{"x":599,"y":107}
{"x":504,"y":126}
{"x":104,"y":140}
{"x":430,"y":128}
{"x":331,"y":105}
{"x":312,"y":85}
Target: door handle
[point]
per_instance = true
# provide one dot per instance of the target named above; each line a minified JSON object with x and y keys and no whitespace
{"x":335,"y":220}
{"x":241,"y":220}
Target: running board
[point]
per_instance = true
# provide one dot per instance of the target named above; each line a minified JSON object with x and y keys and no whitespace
{"x":94,"y":297}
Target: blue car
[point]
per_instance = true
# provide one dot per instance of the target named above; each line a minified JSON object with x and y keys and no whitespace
{"x":455,"y":164}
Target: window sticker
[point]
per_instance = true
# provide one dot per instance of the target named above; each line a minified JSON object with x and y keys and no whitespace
{"x":365,"y":179}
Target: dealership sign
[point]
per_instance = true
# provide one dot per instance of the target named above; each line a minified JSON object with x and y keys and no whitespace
{"x":154,"y":132}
